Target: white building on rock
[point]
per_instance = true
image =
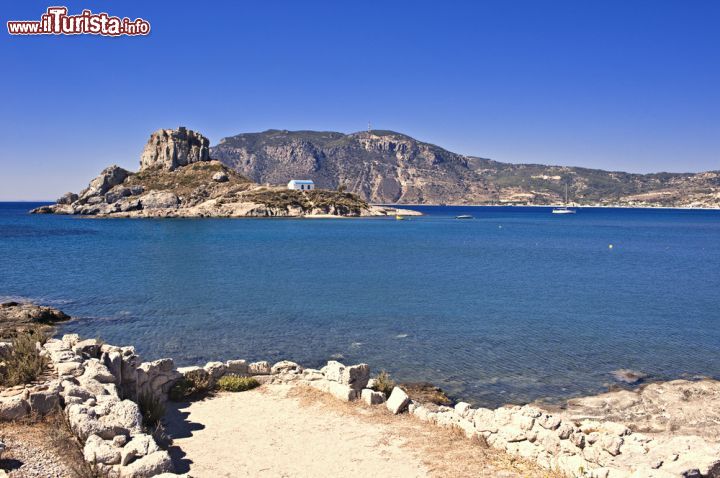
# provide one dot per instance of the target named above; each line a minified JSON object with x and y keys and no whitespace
{"x":301,"y":184}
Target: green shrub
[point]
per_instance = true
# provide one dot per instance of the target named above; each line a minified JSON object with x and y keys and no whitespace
{"x":25,"y":363}
{"x":152,"y":409}
{"x":233,"y":383}
{"x":383,"y":383}
{"x":192,"y":384}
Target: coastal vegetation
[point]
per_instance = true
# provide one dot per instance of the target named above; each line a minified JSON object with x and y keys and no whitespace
{"x":22,"y":363}
{"x":235,"y":383}
{"x":383,"y":383}
{"x":191,"y":385}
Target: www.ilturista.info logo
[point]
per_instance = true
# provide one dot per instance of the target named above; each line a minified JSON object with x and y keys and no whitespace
{"x":56,"y":21}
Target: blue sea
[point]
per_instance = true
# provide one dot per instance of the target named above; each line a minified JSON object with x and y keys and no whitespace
{"x":512,"y":306}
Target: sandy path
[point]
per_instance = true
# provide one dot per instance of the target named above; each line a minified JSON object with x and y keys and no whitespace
{"x":278,"y":430}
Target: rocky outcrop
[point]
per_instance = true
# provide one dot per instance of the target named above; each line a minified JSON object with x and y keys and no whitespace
{"x":177,"y":178}
{"x":171,"y":148}
{"x":14,"y":315}
{"x":388,"y":167}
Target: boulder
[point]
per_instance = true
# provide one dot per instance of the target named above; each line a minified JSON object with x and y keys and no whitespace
{"x":101,"y":451}
{"x":5,"y":349}
{"x":220,"y":177}
{"x":259,"y":368}
{"x":285,"y":366}
{"x":341,"y":391}
{"x":95,"y":370}
{"x":333,"y":370}
{"x":356,"y":376}
{"x":139,"y":446}
{"x":215,"y":370}
{"x":371,"y":397}
{"x":150,"y":465}
{"x":108,"y":178}
{"x":68,"y":198}
{"x":398,"y":401}
{"x":89,"y":348}
{"x":169,"y":149}
{"x":44,"y":401}
{"x":159,"y":200}
{"x":124,"y":418}
{"x":13,"y":408}
{"x":237,"y":367}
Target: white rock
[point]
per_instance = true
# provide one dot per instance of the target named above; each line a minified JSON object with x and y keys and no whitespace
{"x":398,"y":401}
{"x":13,"y":408}
{"x":95,"y":370}
{"x":285,"y":366}
{"x":215,"y":370}
{"x":371,"y":397}
{"x":150,"y":465}
{"x":259,"y":368}
{"x":237,"y":367}
{"x":97,"y":450}
{"x":342,"y":391}
{"x":139,"y":446}
{"x":333,"y":371}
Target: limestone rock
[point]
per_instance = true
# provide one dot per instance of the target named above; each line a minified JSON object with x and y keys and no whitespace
{"x":285,"y":366}
{"x":95,"y":370}
{"x":68,"y":198}
{"x":371,"y":397}
{"x":13,"y":408}
{"x":159,"y":200}
{"x":108,"y":178}
{"x":150,"y":465}
{"x":170,"y":148}
{"x":101,"y":451}
{"x":237,"y":367}
{"x":220,"y":177}
{"x":139,"y":446}
{"x":398,"y":401}
{"x":259,"y":368}
{"x":43,"y":402}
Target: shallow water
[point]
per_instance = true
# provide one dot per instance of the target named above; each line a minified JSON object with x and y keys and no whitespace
{"x":512,"y":306}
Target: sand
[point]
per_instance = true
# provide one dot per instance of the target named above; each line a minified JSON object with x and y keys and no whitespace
{"x":281,"y":430}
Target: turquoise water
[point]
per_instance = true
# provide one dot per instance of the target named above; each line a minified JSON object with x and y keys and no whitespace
{"x":512,"y":306}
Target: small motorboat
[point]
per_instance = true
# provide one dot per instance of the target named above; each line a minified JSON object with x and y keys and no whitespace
{"x":399,"y":217}
{"x":464,"y":216}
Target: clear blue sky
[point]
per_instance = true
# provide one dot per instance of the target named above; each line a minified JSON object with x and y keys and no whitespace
{"x":627,"y":85}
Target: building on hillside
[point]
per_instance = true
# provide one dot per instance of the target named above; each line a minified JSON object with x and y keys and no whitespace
{"x":301,"y":184}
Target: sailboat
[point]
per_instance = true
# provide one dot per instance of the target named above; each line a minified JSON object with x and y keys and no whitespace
{"x":564,"y":209}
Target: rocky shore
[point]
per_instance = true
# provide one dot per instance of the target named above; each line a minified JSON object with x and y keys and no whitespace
{"x":177,"y":178}
{"x":661,"y":430}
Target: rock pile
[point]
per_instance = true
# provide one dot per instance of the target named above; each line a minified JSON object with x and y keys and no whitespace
{"x":98,"y":386}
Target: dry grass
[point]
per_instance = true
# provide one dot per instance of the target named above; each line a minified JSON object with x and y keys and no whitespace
{"x":445,"y":452}
{"x":24,"y":363}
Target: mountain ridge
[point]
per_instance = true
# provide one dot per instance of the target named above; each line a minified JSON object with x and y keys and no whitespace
{"x":384,"y":166}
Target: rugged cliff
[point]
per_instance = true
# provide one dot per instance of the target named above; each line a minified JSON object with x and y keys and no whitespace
{"x":389,"y":167}
{"x":177,"y":178}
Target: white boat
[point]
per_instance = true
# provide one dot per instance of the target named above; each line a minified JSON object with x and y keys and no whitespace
{"x":464,"y":216}
{"x":564,"y":209}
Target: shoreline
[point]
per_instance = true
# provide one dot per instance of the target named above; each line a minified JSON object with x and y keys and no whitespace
{"x":671,"y":426}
